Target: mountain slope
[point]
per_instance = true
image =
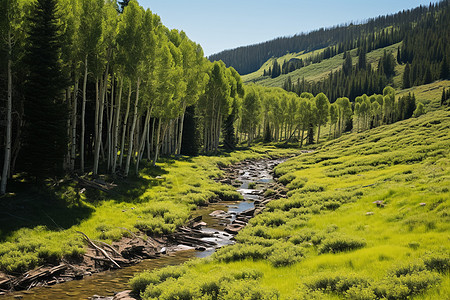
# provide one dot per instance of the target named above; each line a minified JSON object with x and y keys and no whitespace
{"x":250,"y":58}
{"x":366,"y":217}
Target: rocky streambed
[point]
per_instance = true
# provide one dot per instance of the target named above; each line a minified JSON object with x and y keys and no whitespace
{"x":211,"y":227}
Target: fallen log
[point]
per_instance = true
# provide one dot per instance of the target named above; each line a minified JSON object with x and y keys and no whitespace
{"x":99,"y":249}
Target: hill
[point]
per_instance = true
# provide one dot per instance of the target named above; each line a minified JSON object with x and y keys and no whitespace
{"x":250,"y":58}
{"x":315,"y":71}
{"x":366,"y":217}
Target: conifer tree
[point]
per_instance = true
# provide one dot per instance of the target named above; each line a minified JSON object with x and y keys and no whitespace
{"x":347,"y":67}
{"x":191,"y":133}
{"x":406,"y":77}
{"x":46,"y":134}
{"x":444,"y":73}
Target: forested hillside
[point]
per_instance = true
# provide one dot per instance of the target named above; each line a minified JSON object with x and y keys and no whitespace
{"x":375,"y":33}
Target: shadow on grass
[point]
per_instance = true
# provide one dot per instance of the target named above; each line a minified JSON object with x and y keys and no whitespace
{"x":31,"y":206}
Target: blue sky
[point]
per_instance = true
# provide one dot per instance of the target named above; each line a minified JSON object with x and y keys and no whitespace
{"x":219,"y":25}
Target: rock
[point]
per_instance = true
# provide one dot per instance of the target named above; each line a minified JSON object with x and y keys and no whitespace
{"x":233,"y":228}
{"x":258,"y":211}
{"x":196,"y":219}
{"x":163,"y":250}
{"x":125,"y":295}
{"x":379,"y":203}
{"x":198,"y":225}
{"x":217,"y":213}
{"x":248,"y":212}
{"x":369,"y":213}
{"x":200,"y":248}
{"x":422,"y":204}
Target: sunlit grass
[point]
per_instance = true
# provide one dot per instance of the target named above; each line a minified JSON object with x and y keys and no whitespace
{"x":367,"y":217}
{"x":156,"y":203}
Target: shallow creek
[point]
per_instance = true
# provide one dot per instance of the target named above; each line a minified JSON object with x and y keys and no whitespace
{"x":109,"y":282}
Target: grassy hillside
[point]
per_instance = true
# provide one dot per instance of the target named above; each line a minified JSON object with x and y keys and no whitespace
{"x":428,"y":94}
{"x":367,"y":217}
{"x":315,"y":72}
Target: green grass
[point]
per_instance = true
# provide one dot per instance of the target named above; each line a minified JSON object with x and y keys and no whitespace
{"x":428,"y":94}
{"x":328,"y":240}
{"x":38,"y":225}
{"x":313,"y":72}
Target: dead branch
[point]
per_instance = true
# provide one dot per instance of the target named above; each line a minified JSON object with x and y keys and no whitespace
{"x":99,"y":249}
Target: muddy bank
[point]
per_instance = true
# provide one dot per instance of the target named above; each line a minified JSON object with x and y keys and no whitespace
{"x":211,"y":227}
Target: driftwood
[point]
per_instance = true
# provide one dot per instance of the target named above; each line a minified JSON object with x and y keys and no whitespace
{"x":99,"y":185}
{"x":99,"y":249}
{"x":109,"y":247}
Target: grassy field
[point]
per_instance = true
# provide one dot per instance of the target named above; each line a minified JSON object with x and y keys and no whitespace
{"x":428,"y":94}
{"x":38,"y":225}
{"x":314,"y":72}
{"x":367,"y":217}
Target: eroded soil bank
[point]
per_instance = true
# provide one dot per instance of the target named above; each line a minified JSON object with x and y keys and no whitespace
{"x":211,"y":227}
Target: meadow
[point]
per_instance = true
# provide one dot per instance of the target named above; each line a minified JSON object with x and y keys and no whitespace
{"x":366,"y":217}
{"x":39,"y":225}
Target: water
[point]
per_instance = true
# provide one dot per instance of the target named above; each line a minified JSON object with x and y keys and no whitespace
{"x":109,"y":282}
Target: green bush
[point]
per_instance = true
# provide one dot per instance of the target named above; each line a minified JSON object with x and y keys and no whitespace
{"x":297,"y":183}
{"x":285,"y":254}
{"x":142,"y":280}
{"x":286,"y":179}
{"x":246,"y":290}
{"x":340,"y":243}
{"x":335,"y":282}
{"x":241,"y":252}
{"x":439,"y":262}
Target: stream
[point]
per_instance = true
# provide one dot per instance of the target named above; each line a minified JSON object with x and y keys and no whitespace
{"x":110,"y":282}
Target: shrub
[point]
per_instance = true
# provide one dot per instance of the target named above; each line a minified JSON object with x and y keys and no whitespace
{"x":297,"y":183}
{"x":360,"y":292}
{"x":285,"y":255}
{"x":142,"y":280}
{"x":248,"y":274}
{"x":439,"y":262}
{"x":248,"y":290}
{"x":335,"y":282}
{"x":313,"y":188}
{"x":407,"y":269}
{"x":241,"y":252}
{"x":272,"y":219}
{"x":287,"y":178}
{"x":340,"y":243}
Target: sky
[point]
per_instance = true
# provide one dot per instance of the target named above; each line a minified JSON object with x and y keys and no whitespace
{"x":227,"y":24}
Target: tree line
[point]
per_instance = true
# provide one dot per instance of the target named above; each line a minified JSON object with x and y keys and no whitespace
{"x":274,"y":115}
{"x":97,"y":86}
{"x":377,"y":32}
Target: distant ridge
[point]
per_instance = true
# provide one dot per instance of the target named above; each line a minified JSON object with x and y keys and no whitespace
{"x":250,"y":58}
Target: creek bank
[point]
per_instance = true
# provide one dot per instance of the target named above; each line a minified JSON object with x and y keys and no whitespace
{"x":200,"y":233}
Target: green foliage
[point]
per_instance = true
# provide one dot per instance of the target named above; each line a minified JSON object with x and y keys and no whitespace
{"x":46,"y":133}
{"x":331,"y":240}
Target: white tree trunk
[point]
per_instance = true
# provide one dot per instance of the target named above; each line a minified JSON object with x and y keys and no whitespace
{"x":133,"y":127}
{"x":116,"y":127}
{"x":7,"y":159}
{"x":180,"y":132}
{"x":98,"y":137}
{"x":83,"y":113}
{"x":158,"y":132}
{"x":110,"y":122}
{"x":124,"y":127}
{"x":141,"y":147}
{"x":73,"y":149}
